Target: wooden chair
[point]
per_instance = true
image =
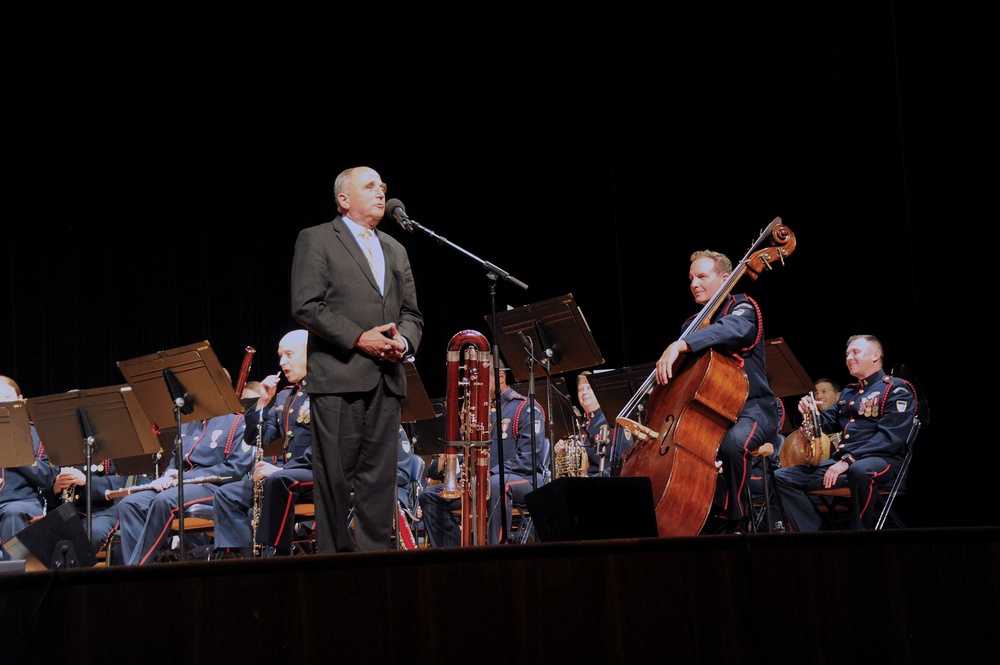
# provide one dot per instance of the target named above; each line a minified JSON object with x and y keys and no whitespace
{"x":304,"y":534}
{"x":198,"y":520}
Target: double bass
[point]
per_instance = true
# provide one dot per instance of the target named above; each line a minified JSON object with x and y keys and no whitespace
{"x":685,"y":420}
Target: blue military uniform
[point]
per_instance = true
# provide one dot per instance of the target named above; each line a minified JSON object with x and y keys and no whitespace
{"x":440,"y":522}
{"x":288,"y":418}
{"x":103,"y":511}
{"x":20,"y":492}
{"x":517,"y":427}
{"x":404,"y":471}
{"x":874,"y":418}
{"x":597,"y":448}
{"x":736,"y":329}
{"x":213,"y":447}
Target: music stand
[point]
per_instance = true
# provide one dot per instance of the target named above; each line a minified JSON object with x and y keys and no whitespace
{"x":785,"y":374}
{"x":555,"y":325}
{"x":561,"y":414}
{"x":431,"y":430}
{"x":143,"y":465}
{"x":196,"y":369}
{"x":16,"y":447}
{"x":614,"y":388}
{"x":181,"y":385}
{"x":76,"y":424}
{"x":416,"y":405}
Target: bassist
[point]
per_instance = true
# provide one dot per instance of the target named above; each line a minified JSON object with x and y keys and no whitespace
{"x":735,"y":330}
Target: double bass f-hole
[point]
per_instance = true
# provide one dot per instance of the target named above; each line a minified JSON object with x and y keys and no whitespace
{"x":664,"y":446}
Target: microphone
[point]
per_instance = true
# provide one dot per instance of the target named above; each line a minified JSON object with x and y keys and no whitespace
{"x":524,"y":339}
{"x":397,"y":210}
{"x":546,"y":344}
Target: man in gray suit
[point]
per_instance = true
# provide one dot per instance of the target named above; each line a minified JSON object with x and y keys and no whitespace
{"x":353,"y":290}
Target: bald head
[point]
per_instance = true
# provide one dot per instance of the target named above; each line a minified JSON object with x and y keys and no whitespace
{"x":292,"y":355}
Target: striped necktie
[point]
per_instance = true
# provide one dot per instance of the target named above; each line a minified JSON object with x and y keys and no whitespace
{"x":366,"y":238}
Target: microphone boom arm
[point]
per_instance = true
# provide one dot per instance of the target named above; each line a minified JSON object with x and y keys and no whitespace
{"x":492,"y":270}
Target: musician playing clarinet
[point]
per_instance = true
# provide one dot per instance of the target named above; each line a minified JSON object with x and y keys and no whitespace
{"x":213,"y":447}
{"x":262,"y":504}
{"x":735,"y":330}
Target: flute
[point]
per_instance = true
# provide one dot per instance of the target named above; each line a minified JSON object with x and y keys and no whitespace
{"x":125,"y":491}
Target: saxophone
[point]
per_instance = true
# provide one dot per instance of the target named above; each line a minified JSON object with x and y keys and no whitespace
{"x":571,"y":459}
{"x":68,"y":494}
{"x":468,"y":425}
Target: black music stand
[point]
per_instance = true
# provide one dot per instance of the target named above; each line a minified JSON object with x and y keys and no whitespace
{"x":181,"y":385}
{"x":196,"y":369}
{"x":432,"y":431}
{"x":785,"y":374}
{"x":16,"y":447}
{"x":145,"y":464}
{"x":613,"y":390}
{"x":76,"y":424}
{"x":557,"y":326}
{"x":551,"y":335}
{"x":416,"y":405}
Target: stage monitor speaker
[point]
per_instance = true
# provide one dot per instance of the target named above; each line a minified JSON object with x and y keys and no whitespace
{"x":600,"y":508}
{"x":58,"y":540}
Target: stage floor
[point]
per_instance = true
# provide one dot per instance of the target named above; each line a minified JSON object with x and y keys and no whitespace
{"x":891,"y":596}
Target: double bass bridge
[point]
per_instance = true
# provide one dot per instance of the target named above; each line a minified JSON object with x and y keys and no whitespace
{"x":645,"y":434}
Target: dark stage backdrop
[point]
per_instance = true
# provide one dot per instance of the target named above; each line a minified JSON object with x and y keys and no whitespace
{"x":151,"y":196}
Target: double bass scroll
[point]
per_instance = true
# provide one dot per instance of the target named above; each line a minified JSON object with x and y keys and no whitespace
{"x":677,"y":443}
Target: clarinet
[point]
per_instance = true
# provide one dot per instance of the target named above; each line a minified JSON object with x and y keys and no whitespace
{"x":258,"y":490}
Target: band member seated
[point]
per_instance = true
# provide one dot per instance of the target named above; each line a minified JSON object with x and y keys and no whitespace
{"x":874,"y":417}
{"x":21,"y":487}
{"x":212,"y":448}
{"x":599,"y":444}
{"x":261,"y":504}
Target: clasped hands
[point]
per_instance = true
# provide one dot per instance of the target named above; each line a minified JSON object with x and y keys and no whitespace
{"x":383,"y":342}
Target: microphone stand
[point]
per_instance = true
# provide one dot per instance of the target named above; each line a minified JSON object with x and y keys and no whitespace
{"x":183,"y":403}
{"x":91,"y":446}
{"x":530,"y":362}
{"x":493,"y":273}
{"x":544,"y":362}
